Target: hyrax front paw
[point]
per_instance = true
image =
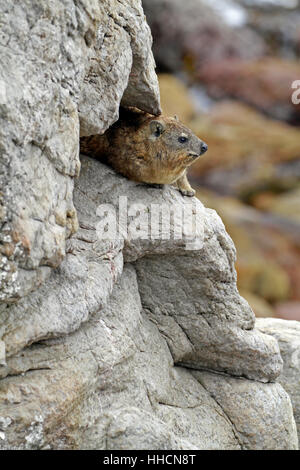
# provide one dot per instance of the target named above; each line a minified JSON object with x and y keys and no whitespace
{"x":188,"y":192}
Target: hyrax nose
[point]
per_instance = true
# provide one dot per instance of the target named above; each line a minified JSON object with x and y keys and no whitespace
{"x":203,"y":148}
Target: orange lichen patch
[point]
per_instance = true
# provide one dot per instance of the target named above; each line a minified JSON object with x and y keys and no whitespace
{"x":71,"y":222}
{"x":17,"y":238}
{"x":7,"y":249}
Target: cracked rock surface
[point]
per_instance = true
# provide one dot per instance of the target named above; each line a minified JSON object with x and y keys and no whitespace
{"x":287,"y":333}
{"x":109,"y":354}
{"x":122,"y":342}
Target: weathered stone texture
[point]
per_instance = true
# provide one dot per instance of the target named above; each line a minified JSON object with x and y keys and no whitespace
{"x":125,"y":342}
{"x":55,"y":58}
{"x":287,"y":333}
{"x":117,"y":357}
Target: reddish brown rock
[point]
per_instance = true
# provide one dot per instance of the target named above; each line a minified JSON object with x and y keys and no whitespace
{"x":265,"y":83}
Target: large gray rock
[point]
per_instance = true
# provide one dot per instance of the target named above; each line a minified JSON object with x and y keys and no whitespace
{"x":91,"y":369}
{"x":189,"y":290}
{"x":112,"y":384}
{"x":56,"y":57}
{"x":207,"y":323}
{"x":95,"y":353}
{"x":120,"y":65}
{"x":261,"y":414}
{"x":287,"y":333}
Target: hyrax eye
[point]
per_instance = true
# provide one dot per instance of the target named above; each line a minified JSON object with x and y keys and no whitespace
{"x":182,"y":139}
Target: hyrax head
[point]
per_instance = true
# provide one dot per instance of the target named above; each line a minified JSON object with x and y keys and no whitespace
{"x":180,"y":146}
{"x":161,"y":150}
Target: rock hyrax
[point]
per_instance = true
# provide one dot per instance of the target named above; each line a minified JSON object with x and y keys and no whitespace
{"x":147,"y":149}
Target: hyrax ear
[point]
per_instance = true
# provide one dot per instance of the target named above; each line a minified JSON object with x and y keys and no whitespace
{"x":157,"y":128}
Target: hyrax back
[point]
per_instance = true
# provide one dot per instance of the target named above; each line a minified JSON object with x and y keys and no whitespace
{"x":147,"y":149}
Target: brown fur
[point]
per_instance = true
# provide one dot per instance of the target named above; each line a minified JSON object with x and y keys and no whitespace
{"x":147,"y":149}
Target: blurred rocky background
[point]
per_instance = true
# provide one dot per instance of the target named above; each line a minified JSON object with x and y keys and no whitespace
{"x":226,"y":68}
